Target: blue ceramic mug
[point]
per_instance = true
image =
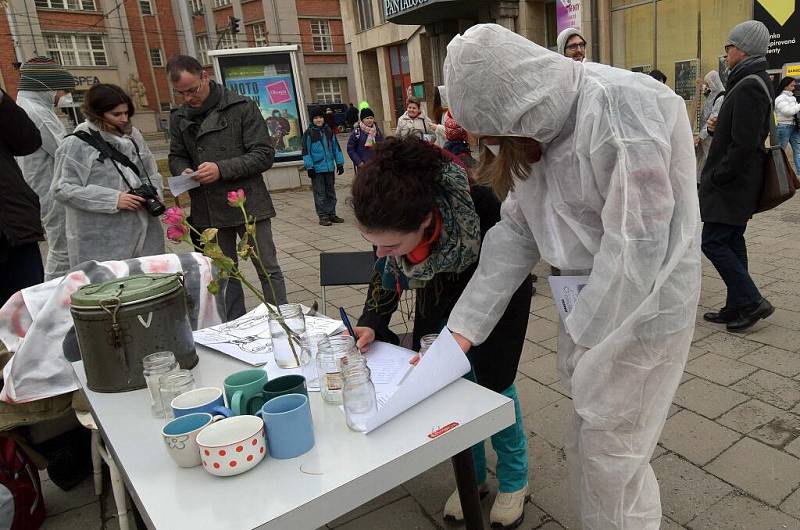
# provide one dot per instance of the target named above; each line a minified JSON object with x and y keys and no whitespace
{"x":290,"y":430}
{"x":208,"y":399}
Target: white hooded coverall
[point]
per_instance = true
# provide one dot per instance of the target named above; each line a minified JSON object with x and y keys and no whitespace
{"x":614,"y":192}
{"x":37,"y":168}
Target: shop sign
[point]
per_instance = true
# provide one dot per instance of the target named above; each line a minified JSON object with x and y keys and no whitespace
{"x":793,"y":70}
{"x":782,"y":19}
{"x":395,"y":7}
{"x":568,"y":14}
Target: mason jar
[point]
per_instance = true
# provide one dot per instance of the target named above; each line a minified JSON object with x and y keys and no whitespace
{"x":154,"y":366}
{"x":358,"y":394}
{"x":329,"y":366}
{"x":425,"y":342}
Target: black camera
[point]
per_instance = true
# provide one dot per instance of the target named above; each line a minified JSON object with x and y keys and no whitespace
{"x":152,"y":203}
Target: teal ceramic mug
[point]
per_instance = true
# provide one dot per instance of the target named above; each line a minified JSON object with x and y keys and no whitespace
{"x":241,"y":387}
{"x":280,"y":386}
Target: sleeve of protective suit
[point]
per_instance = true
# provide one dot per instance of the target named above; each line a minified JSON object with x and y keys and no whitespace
{"x":259,"y":153}
{"x":71,"y":174}
{"x":508,"y":254}
{"x":714,"y":113}
{"x":751,"y":106}
{"x":632,"y":163}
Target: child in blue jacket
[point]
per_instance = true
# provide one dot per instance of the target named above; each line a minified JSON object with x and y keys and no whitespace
{"x":321,"y":155}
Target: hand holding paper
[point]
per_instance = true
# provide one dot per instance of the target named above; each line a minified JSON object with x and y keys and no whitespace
{"x":182,"y":183}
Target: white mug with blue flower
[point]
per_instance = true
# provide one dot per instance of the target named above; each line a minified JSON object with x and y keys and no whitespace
{"x":180,"y":437}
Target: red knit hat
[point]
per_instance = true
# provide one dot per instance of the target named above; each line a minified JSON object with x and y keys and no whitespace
{"x":452,"y":130}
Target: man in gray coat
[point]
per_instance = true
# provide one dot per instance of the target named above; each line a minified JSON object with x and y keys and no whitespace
{"x":221,"y":136}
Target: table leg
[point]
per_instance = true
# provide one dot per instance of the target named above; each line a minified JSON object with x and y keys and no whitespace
{"x":464,"y":467}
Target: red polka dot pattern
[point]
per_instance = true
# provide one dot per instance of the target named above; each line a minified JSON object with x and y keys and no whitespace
{"x":250,"y":458}
{"x":232,"y":463}
{"x":239,"y":449}
{"x":222,"y":452}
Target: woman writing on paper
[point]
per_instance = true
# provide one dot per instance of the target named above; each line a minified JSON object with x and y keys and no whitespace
{"x":414,"y":203}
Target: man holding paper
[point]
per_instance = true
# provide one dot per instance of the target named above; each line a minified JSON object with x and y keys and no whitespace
{"x":599,"y":169}
{"x":219,"y":138}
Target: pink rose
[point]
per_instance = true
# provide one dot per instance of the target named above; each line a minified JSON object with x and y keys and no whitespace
{"x":177,"y":233}
{"x":236,"y":198}
{"x":173,"y":216}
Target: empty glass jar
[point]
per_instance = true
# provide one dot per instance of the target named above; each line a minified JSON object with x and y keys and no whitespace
{"x":173,"y":385}
{"x":426,"y":341}
{"x":153,"y":367}
{"x":358,"y":394}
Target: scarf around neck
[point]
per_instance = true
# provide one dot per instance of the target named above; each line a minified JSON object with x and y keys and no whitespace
{"x":459,"y":242}
{"x":372,"y":132}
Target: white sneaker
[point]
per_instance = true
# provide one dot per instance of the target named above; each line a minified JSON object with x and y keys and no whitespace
{"x":508,"y":509}
{"x":452,"y":508}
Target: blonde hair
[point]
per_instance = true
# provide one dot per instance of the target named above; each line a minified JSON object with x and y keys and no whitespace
{"x":499,"y":171}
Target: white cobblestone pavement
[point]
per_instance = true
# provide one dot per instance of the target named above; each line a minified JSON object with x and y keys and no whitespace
{"x":729,"y":456}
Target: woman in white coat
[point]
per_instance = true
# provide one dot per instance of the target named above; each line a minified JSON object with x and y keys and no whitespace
{"x":105,"y":220}
{"x":599,"y":168}
{"x":786,"y":109}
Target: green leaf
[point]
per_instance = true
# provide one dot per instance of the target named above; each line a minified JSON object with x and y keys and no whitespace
{"x":213,"y":287}
{"x":208,"y":235}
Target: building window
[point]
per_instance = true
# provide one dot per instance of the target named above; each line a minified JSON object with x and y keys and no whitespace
{"x":196,"y":6}
{"x":146,"y":6}
{"x":221,"y":3}
{"x":327,"y":91}
{"x":551,"y":25}
{"x":76,"y":50}
{"x":259,"y":34}
{"x":365,"y":20}
{"x":227,"y":41}
{"x":71,"y":5}
{"x":400,"y":77}
{"x":321,"y":36}
{"x":202,"y":49}
{"x":156,"y":57}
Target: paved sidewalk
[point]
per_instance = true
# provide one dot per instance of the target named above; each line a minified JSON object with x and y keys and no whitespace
{"x":729,"y":456}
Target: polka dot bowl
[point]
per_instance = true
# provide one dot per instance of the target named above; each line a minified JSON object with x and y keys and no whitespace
{"x":232,"y":446}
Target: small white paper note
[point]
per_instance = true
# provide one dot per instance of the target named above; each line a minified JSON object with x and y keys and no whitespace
{"x":443,"y":363}
{"x":182,"y":183}
{"x":566,"y":290}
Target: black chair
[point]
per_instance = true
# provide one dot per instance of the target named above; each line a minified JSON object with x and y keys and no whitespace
{"x":344,"y":268}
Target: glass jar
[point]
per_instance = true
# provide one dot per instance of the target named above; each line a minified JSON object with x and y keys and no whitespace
{"x":173,"y":385}
{"x":153,"y":367}
{"x":312,"y":341}
{"x":358,"y":394}
{"x":288,"y":357}
{"x":329,"y":368}
{"x":425,"y":342}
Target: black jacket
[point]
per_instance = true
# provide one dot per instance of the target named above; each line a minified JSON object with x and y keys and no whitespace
{"x":234,"y":136}
{"x":19,"y":206}
{"x":495,"y":361}
{"x":732,"y":178}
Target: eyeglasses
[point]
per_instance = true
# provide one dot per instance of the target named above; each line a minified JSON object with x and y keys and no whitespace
{"x":576,"y":46}
{"x":728,"y":47}
{"x":192,"y":92}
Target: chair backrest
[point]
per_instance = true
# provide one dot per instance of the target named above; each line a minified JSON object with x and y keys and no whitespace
{"x":346,"y":268}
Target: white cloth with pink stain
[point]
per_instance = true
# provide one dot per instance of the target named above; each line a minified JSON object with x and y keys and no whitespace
{"x":35,"y":320}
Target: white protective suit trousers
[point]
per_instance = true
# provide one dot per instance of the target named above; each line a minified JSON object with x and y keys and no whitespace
{"x":55,"y":223}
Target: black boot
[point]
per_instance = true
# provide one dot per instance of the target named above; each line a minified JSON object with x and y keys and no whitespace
{"x":723,"y":316}
{"x":748,"y":317}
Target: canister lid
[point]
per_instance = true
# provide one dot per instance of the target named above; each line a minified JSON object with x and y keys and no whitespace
{"x":129,"y":290}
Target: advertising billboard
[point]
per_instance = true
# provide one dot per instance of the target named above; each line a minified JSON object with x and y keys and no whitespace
{"x":782,"y":18}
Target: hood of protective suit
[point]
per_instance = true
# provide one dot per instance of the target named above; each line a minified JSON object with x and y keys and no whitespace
{"x":714,"y":82}
{"x":564,"y":36}
{"x":523,"y":89}
{"x":40,"y":108}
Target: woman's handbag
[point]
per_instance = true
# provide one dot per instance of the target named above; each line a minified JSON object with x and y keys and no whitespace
{"x":780,"y":180}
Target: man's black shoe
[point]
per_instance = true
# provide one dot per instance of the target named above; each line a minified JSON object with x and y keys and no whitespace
{"x":336,"y":219}
{"x":324,"y":221}
{"x":749,"y":317}
{"x":723,"y":316}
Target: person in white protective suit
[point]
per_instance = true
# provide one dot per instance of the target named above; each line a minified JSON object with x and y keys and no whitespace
{"x":43,"y":84}
{"x":602,"y":180}
{"x":105,"y":221}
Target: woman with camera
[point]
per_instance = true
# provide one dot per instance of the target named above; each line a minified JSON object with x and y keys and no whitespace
{"x":108,"y":180}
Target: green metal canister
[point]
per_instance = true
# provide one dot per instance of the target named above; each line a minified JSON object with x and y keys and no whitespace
{"x":119,"y":322}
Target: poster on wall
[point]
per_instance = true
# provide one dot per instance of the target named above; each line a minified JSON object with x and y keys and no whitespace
{"x":686,"y":78}
{"x":268,"y":76}
{"x":568,"y":14}
{"x":782,"y":19}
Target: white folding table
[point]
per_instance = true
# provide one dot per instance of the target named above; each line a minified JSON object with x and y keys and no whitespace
{"x":344,"y":470}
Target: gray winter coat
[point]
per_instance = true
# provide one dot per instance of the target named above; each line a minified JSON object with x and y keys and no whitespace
{"x":234,"y":136}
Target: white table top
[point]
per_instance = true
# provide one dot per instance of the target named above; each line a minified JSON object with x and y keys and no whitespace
{"x":344,"y":470}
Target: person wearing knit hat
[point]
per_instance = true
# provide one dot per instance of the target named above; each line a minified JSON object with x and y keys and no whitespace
{"x":321,"y":157}
{"x":457,"y":141}
{"x":570,"y":43}
{"x":364,"y":137}
{"x":43,"y":83}
{"x":732,"y":178}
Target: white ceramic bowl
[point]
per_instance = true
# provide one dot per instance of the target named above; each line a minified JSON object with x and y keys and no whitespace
{"x":232,"y":446}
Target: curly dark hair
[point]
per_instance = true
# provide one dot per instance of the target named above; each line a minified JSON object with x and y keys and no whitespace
{"x":395,"y":189}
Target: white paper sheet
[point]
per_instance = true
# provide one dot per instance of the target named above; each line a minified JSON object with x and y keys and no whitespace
{"x":442,"y":364}
{"x":566,"y":290}
{"x":181,"y":183}
{"x":388,"y":365}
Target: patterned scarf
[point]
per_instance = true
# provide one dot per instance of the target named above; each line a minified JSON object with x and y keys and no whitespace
{"x":372,"y":132}
{"x":459,"y":242}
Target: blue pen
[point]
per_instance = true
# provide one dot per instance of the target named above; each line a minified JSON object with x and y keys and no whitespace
{"x":347,"y":323}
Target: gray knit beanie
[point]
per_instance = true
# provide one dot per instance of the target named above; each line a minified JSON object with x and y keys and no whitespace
{"x":751,"y":36}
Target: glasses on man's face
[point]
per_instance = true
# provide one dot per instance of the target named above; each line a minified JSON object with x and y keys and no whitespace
{"x":576,"y":46}
{"x":192,"y":92}
{"x":728,"y":47}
